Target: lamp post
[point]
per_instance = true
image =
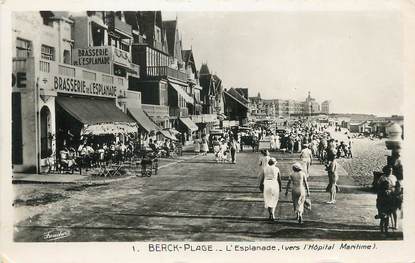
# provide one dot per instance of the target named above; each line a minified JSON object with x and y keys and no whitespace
{"x":393,"y":143}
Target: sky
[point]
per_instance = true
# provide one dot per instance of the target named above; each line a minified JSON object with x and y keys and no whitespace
{"x":353,"y":58}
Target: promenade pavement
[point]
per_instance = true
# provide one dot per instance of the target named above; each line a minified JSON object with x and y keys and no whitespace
{"x":195,"y":200}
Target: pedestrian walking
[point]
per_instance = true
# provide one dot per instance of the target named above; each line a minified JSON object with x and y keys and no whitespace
{"x":332,"y":187}
{"x":216,"y":148}
{"x":272,"y":145}
{"x":223,"y":151}
{"x":277,"y":142}
{"x":263,"y":159}
{"x":233,"y":145}
{"x":196,"y":144}
{"x":388,"y":198}
{"x":272,"y":187}
{"x":204,"y":148}
{"x":306,"y":157}
{"x":299,"y":180}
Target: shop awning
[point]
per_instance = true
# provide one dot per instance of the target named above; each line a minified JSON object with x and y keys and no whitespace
{"x":168,"y":135}
{"x":143,"y":120}
{"x":189,"y":124}
{"x":181,"y":92}
{"x":99,"y":116}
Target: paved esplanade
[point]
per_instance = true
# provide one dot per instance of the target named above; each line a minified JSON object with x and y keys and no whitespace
{"x":200,"y":200}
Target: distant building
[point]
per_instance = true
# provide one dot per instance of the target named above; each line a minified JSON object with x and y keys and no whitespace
{"x":325,"y":107}
{"x":310,"y":105}
{"x":263,"y":109}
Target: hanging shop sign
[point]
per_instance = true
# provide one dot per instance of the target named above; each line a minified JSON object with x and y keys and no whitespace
{"x":63,"y":84}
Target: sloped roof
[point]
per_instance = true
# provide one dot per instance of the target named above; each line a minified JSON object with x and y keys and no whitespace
{"x":188,"y":58}
{"x":235,"y":99}
{"x":237,"y":95}
{"x":170,"y":29}
{"x":204,"y":70}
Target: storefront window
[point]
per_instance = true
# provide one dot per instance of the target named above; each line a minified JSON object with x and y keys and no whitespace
{"x":23,"y":48}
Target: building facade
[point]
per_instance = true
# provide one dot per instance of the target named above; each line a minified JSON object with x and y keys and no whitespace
{"x":260,"y":109}
{"x":55,"y":103}
{"x":325,"y":107}
{"x":108,"y":72}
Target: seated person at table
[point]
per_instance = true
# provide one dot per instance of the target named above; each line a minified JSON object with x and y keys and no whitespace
{"x":166,"y":147}
{"x":65,"y":159}
{"x":152,"y":146}
{"x":101,"y":154}
{"x":172,"y":146}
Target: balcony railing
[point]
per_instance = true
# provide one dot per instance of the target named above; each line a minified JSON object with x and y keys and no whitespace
{"x":178,"y":112}
{"x":204,"y":118}
{"x":44,"y":66}
{"x":164,"y":71}
{"x":155,"y":110}
{"x":66,"y":70}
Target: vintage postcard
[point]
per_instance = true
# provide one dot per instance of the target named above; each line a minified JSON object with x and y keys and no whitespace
{"x":221,"y":131}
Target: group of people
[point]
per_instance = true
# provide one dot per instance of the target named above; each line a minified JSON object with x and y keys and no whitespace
{"x":201,"y":145}
{"x":225,"y":149}
{"x":271,"y":186}
{"x":166,"y":148}
{"x":224,"y":146}
{"x":89,"y":154}
{"x":389,"y":189}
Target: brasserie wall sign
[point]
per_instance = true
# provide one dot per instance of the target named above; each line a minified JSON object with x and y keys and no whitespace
{"x":83,"y":87}
{"x":91,"y":56}
{"x":100,"y":56}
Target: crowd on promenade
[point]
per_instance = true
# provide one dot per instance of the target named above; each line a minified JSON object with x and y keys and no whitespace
{"x":317,"y":143}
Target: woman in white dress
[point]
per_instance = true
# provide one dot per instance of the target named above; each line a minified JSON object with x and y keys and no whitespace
{"x":300,"y":185}
{"x":204,"y":145}
{"x":197,"y":145}
{"x":272,"y":187}
{"x":223,"y":151}
{"x":272,"y":142}
{"x":263,"y":161}
{"x":277,"y":142}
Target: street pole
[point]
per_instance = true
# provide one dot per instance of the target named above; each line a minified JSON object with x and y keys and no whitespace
{"x":394,"y":143}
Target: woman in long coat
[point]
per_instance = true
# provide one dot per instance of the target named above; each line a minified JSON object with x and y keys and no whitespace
{"x":300,"y":186}
{"x":272,"y":187}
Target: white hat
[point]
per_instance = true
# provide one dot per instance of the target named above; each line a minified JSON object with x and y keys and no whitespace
{"x":298,"y":166}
